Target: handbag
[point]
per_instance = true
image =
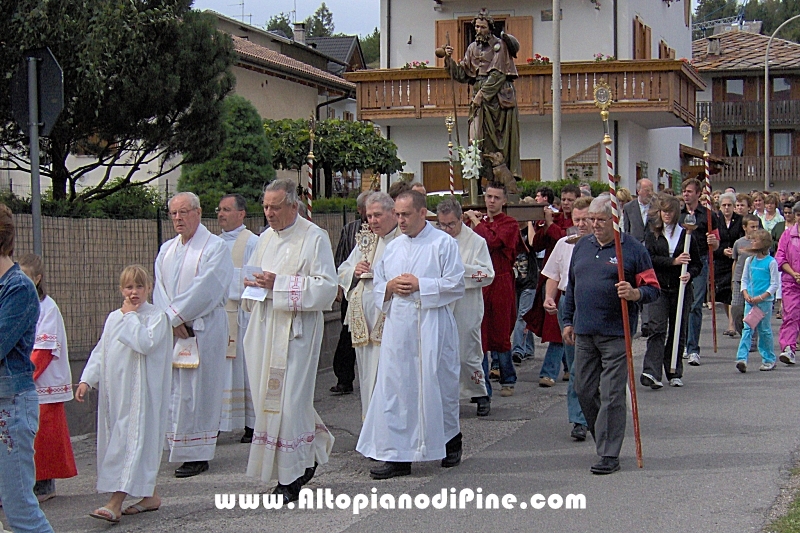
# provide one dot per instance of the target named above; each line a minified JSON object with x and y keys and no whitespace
{"x":754,"y":317}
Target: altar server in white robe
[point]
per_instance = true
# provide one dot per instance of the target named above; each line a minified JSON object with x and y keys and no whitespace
{"x":237,"y":401}
{"x":283,"y":341}
{"x":468,"y":311}
{"x":130,"y":367}
{"x":413,"y":414}
{"x":364,"y":318}
{"x":193,"y":272}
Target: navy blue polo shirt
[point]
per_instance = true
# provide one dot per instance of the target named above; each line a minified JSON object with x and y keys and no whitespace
{"x":592,"y":306}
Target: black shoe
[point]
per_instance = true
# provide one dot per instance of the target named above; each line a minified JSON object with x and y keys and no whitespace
{"x":390,"y":469}
{"x":247,"y":438}
{"x":339,"y":389}
{"x":191,"y":468}
{"x":578,"y":432}
{"x":516,"y":359}
{"x":310,"y":471}
{"x":453,"y":450}
{"x":290,"y":493}
{"x":607,"y":465}
{"x":645,"y":332}
{"x":484,"y":405}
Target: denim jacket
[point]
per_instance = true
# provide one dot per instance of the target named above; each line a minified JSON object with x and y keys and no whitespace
{"x":19,"y":311}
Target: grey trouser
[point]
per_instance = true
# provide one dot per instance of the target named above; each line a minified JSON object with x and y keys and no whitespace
{"x":601,"y":374}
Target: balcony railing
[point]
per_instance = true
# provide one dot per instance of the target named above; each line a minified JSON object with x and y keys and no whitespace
{"x":644,"y":85}
{"x":727,"y":115}
{"x":751,"y":168}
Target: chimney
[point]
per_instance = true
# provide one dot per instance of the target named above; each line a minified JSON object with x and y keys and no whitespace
{"x":300,"y":32}
{"x":714,"y":47}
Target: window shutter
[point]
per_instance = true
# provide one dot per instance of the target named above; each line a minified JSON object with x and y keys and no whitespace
{"x":522,"y":29}
{"x":443,"y":27}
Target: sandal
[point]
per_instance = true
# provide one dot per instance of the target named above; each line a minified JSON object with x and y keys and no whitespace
{"x":138,"y":509}
{"x":104,"y":513}
{"x":729,"y":332}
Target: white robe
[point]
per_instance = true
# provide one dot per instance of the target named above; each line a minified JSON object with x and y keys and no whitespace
{"x":468,"y":311}
{"x":196,"y":400}
{"x":130,"y":367}
{"x":289,"y":324}
{"x":237,"y":401}
{"x":55,"y":383}
{"x":414,"y":408}
{"x":366,"y":356}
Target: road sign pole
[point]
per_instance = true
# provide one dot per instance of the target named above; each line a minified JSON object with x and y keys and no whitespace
{"x":33,"y":123}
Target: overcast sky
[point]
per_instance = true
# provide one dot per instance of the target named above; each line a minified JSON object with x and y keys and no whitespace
{"x":349,"y":16}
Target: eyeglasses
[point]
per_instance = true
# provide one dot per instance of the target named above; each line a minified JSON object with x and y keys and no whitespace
{"x":183,"y":213}
{"x":451,"y":225}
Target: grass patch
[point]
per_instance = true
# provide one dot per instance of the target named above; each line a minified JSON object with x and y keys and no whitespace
{"x":789,"y":523}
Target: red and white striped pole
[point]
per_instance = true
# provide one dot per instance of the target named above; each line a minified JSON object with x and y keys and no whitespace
{"x":602,"y":99}
{"x":449,"y":121}
{"x":310,"y":193}
{"x":705,"y":130}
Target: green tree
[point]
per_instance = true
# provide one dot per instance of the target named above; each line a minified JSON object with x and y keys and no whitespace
{"x":371,"y":47}
{"x":282,"y":22}
{"x":339,"y":146}
{"x":243,"y":165}
{"x":320,"y":24}
{"x":144,"y":82}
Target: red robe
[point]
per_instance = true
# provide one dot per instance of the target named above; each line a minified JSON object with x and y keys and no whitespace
{"x":499,"y":298}
{"x":541,"y":323}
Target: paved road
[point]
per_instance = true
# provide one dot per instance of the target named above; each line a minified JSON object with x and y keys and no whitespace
{"x":716,"y":454}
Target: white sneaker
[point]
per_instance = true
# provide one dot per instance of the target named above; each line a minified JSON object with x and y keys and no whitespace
{"x":685,"y":355}
{"x":787,"y":356}
{"x":766,"y":367}
{"x":694,"y":359}
{"x":649,"y":381}
{"x":675,"y":382}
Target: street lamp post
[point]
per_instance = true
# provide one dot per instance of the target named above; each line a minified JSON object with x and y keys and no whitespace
{"x":766,"y":102}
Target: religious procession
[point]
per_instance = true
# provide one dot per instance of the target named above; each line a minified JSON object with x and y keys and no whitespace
{"x":439,"y":311}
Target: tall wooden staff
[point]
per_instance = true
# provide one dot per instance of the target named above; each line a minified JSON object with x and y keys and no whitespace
{"x":602,"y":99}
{"x":689,"y":224}
{"x":449,"y":122}
{"x":705,"y":130}
{"x":310,"y":195}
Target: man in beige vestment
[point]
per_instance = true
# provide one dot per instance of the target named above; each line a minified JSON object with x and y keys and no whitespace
{"x":364,"y":317}
{"x":298,"y":282}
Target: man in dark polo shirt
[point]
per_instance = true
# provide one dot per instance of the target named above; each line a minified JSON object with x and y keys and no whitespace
{"x":593,"y":323}
{"x":691,"y":190}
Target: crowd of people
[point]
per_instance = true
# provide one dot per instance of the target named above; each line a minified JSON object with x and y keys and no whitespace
{"x":434,"y":308}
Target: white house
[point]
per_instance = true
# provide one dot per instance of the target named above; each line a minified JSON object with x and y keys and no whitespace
{"x":653,"y":89}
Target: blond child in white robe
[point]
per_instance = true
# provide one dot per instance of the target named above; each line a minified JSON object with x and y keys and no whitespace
{"x":131,"y":367}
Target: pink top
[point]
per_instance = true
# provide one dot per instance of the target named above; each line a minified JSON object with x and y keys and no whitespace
{"x":789,"y":253}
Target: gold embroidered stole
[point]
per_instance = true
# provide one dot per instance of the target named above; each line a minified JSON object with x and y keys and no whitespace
{"x":232,"y":306}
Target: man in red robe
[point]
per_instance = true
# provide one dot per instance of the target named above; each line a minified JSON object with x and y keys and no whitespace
{"x":502,"y":236}
{"x":547,"y":232}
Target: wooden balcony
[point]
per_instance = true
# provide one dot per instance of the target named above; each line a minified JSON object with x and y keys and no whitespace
{"x":751,"y":168}
{"x":661,"y":86}
{"x":749,"y":115}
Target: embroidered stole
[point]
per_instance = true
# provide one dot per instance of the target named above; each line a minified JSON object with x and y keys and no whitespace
{"x":283,"y":327}
{"x":232,"y":306}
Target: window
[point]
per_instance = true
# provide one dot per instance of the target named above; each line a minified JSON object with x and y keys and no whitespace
{"x":734,"y":90}
{"x":781,"y":143}
{"x":665,"y":52}
{"x":781,"y":89}
{"x":734,"y":144}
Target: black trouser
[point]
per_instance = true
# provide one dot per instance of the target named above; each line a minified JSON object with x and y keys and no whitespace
{"x":662,"y":330}
{"x":344,"y":359}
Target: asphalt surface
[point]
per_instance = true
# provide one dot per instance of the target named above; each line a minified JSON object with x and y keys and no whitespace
{"x":717,"y":453}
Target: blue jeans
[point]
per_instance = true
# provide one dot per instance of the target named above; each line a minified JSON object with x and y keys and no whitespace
{"x":765,"y":342}
{"x":19,"y":421}
{"x":508,"y":375}
{"x":522,"y":341}
{"x":552,"y":360}
{"x":696,"y":313}
{"x":573,"y":405}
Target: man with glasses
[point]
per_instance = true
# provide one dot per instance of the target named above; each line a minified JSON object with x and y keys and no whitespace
{"x":296,"y":284}
{"x":193,"y":273}
{"x":237,"y":402}
{"x":468,"y":311}
{"x":593,"y":322}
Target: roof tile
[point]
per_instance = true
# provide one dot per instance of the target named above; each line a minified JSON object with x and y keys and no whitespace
{"x":743,"y":50}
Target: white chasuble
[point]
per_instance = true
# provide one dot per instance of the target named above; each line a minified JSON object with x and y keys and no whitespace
{"x":478,"y":273}
{"x":192,"y":281}
{"x":131,"y":368}
{"x":367,"y":355}
{"x":414,"y":407}
{"x":282,"y":347}
{"x":237,"y":402}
